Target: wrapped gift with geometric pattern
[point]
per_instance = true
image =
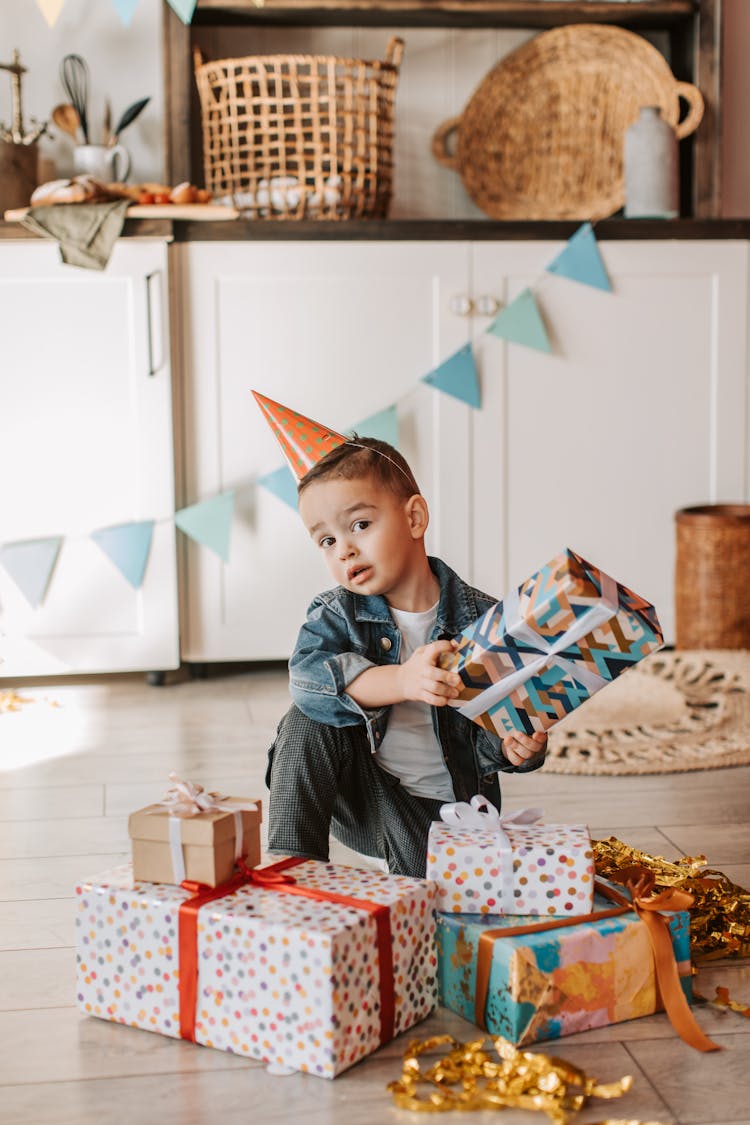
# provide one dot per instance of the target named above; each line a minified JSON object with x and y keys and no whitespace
{"x":302,"y":964}
{"x":487,"y":863}
{"x":534,"y":657}
{"x":529,"y":979}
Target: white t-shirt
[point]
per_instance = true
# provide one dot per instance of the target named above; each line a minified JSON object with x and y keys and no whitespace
{"x":410,"y":749}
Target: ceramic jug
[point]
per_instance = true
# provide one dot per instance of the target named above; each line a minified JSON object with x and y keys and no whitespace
{"x":108,"y":163}
{"x":652,"y":188}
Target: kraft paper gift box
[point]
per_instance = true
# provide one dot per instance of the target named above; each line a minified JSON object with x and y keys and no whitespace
{"x":485,"y":863}
{"x":553,"y":982}
{"x":194,"y":835}
{"x":262,"y":969}
{"x":567,"y":631}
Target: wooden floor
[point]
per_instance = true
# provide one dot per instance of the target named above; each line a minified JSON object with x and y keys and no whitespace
{"x":82,"y":755}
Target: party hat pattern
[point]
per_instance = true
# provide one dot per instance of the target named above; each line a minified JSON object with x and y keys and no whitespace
{"x":303,"y":441}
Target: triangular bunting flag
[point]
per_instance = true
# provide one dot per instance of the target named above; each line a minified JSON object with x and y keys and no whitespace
{"x":209,"y":522}
{"x":128,"y":546}
{"x":30,"y":565}
{"x":281,"y":484}
{"x":580,"y":260}
{"x":125,"y":9}
{"x":50,"y":9}
{"x":383,"y":426}
{"x":303,"y":441}
{"x":457,"y":376}
{"x":183,"y":8}
{"x":521,"y":323}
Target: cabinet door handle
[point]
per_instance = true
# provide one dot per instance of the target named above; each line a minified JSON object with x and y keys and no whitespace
{"x":487,"y":305}
{"x":151,"y":290}
{"x":461,"y":305}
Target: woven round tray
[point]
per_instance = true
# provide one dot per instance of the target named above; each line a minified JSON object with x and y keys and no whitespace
{"x":542,"y":136}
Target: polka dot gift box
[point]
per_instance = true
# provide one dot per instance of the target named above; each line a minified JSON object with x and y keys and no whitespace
{"x":259,"y":968}
{"x":485,"y":863}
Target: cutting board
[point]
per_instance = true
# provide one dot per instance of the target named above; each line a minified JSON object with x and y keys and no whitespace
{"x":206,"y":212}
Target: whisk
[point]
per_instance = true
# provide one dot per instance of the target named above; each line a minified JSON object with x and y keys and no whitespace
{"x":74,"y":75}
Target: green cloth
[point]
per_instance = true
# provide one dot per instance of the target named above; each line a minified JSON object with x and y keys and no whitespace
{"x":86,"y":232}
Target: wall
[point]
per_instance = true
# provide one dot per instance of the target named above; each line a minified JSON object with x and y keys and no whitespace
{"x":125,"y":65}
{"x":440,"y":72}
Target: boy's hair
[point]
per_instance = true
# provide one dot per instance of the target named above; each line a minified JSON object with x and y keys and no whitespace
{"x":365,"y":457}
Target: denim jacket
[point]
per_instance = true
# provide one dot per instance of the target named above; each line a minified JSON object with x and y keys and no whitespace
{"x":346,"y":633}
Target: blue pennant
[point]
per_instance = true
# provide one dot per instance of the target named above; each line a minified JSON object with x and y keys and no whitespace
{"x":30,"y":565}
{"x":209,"y":522}
{"x":383,"y":425}
{"x":580,"y":260}
{"x":125,"y":9}
{"x":128,"y":546}
{"x":281,"y":484}
{"x":457,"y":376}
{"x":183,"y":8}
{"x":521,"y":323}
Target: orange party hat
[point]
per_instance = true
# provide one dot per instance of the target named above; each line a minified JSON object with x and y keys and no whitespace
{"x":303,"y":441}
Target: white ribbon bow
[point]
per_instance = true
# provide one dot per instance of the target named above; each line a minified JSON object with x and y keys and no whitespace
{"x":186,"y":799}
{"x":604,"y":610}
{"x":480,"y":813}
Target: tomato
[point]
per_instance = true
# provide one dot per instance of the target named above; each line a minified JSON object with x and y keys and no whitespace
{"x":162,"y":197}
{"x":146,"y":197}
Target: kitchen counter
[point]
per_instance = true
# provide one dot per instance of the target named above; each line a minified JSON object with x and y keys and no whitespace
{"x":415,"y":230}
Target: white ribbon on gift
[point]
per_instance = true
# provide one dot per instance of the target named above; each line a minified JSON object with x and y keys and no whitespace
{"x":480,"y":813}
{"x":186,"y":799}
{"x":604,"y":610}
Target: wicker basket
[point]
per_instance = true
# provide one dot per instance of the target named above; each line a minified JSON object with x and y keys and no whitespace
{"x":542,"y":136}
{"x":300,"y":136}
{"x":712,"y":577}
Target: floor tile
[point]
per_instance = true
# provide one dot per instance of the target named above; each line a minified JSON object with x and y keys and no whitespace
{"x":51,"y":878}
{"x":44,"y":802}
{"x":37,"y":978}
{"x":719,"y":843}
{"x":38,"y":924}
{"x":699,"y":1087}
{"x":26,"y":839}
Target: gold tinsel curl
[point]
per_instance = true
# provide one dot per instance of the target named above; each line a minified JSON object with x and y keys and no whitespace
{"x":720,"y":914}
{"x":493,"y":1074}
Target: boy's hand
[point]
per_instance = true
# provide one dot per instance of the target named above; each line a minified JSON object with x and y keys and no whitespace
{"x":520,"y":748}
{"x":420,"y":678}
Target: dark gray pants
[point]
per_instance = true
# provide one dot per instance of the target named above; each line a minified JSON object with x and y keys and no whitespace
{"x":324,"y":780}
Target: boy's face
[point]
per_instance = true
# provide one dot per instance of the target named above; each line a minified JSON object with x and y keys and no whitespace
{"x":369,"y":537}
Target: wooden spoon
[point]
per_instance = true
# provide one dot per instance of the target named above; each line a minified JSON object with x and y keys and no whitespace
{"x":66,"y":118}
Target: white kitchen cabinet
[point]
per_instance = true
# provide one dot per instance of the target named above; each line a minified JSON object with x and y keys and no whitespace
{"x":642,"y":408}
{"x":87,"y":444}
{"x":338,"y":331}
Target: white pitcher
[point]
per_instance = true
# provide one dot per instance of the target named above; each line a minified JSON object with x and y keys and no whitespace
{"x":109,"y":163}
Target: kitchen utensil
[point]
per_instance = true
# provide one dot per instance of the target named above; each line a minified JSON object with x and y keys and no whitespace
{"x":128,"y":116}
{"x":107,"y":122}
{"x":109,"y":163}
{"x":542,"y":136}
{"x":65,"y":116}
{"x":74,"y":75}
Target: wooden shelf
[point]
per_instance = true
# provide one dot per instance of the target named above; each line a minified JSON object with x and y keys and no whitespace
{"x":441,"y":13}
{"x":693,"y":29}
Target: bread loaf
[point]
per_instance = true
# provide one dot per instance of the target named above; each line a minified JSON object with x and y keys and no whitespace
{"x":81,"y":189}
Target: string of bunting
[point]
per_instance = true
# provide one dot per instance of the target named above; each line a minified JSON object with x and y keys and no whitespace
{"x":185,"y":9}
{"x":31,"y":563}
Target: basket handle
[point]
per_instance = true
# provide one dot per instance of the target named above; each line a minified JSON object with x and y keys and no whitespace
{"x":394,"y":52}
{"x":440,"y":145}
{"x":694,"y":98}
{"x":198,"y":58}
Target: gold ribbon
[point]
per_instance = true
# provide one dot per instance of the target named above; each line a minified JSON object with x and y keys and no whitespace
{"x":647,"y":906}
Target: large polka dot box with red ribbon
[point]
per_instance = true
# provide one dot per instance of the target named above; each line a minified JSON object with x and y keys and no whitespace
{"x":537,"y":869}
{"x":312,"y":971}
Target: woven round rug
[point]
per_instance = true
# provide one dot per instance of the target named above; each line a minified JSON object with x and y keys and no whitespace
{"x":673,"y":712}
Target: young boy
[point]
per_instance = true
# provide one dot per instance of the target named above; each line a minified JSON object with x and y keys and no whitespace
{"x":370,"y":750}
